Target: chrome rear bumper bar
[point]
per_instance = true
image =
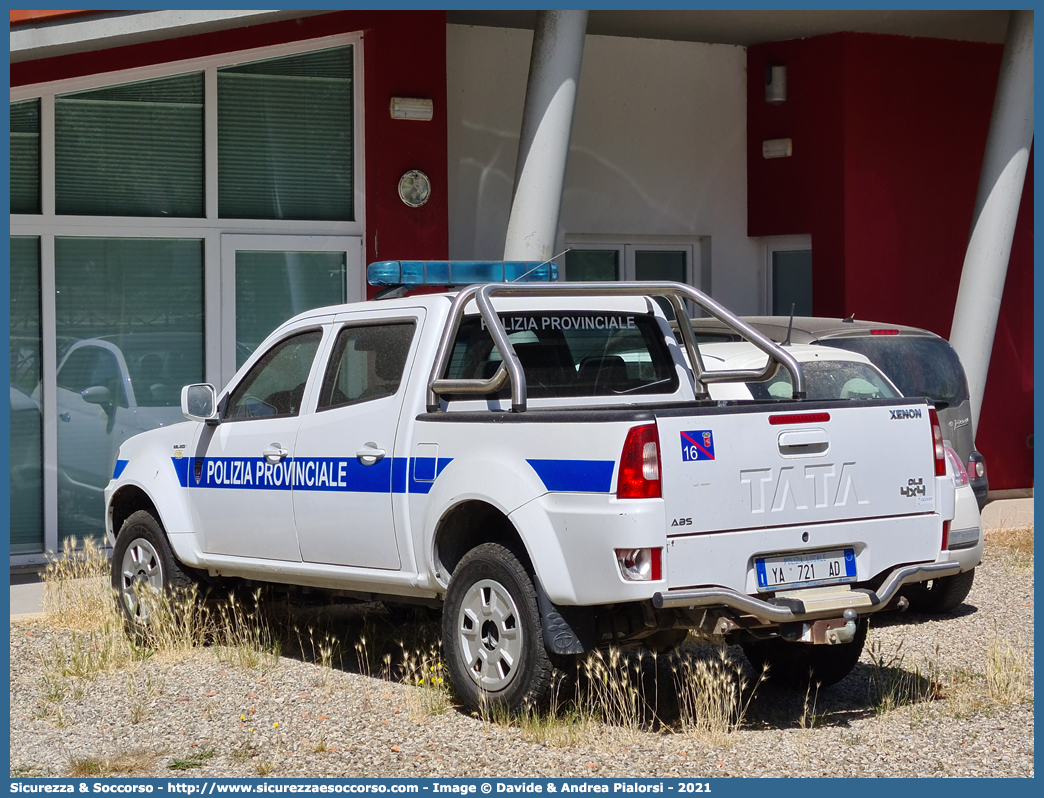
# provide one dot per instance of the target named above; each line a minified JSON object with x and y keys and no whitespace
{"x":777,"y":613}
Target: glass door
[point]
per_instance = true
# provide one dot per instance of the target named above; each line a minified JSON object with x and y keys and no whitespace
{"x":267,"y":279}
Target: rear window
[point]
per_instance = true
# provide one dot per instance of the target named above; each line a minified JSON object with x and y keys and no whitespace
{"x":827,"y":379}
{"x":570,"y":353}
{"x":919,"y":366}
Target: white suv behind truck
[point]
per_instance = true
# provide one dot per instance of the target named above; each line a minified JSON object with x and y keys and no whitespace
{"x":543,"y":463}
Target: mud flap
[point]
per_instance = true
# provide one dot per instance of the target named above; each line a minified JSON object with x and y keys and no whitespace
{"x":559,"y":636}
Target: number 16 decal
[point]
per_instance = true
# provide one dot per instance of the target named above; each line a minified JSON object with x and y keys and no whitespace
{"x":697,"y":445}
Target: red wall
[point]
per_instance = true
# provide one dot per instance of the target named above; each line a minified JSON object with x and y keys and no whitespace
{"x":889,"y":134}
{"x":404,"y":55}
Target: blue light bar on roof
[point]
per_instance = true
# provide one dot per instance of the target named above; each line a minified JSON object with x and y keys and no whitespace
{"x":459,"y":272}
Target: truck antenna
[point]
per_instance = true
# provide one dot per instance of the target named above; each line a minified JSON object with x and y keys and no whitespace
{"x":540,"y":265}
{"x":790,"y":326}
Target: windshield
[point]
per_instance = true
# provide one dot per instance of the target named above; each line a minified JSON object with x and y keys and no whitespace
{"x":828,"y":379}
{"x":571,"y":353}
{"x":918,"y":365}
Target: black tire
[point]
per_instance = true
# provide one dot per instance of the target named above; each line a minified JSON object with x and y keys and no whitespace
{"x":796,"y":665}
{"x":940,"y":595}
{"x":142,"y":556}
{"x":491,"y":633}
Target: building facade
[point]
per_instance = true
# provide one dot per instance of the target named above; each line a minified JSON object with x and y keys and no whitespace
{"x":181,"y":183}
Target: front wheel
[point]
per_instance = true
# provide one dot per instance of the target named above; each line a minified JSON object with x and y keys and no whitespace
{"x":491,"y":632}
{"x":796,"y":665}
{"x":142,"y":561}
{"x":940,"y":595}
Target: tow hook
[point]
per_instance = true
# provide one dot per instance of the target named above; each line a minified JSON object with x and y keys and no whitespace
{"x":843,"y":634}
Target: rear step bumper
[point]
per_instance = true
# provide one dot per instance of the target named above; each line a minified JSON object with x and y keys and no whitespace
{"x":794,"y":610}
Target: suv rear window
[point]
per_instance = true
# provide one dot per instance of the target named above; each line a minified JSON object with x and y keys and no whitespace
{"x":918,"y":365}
{"x":570,"y":353}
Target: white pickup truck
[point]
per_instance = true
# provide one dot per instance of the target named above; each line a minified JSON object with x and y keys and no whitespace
{"x":542,"y":462}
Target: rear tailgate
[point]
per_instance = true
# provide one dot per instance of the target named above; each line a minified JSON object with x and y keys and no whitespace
{"x":750,"y":480}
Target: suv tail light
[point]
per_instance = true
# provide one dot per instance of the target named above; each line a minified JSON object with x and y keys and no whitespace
{"x":640,"y":464}
{"x":960,"y":475}
{"x":946,"y":536}
{"x":937,"y":442}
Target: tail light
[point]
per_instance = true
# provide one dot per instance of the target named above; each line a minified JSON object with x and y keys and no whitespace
{"x":946,"y":536}
{"x":976,"y":466}
{"x":884,"y":332}
{"x":937,"y":442}
{"x":960,"y":475}
{"x":640,"y":465}
{"x":640,"y":565}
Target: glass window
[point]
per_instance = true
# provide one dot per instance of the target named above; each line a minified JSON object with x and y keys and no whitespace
{"x":285,"y":147}
{"x":272,"y":287}
{"x":792,"y":282}
{"x":129,"y":320}
{"x":25,"y":157}
{"x":592,"y":265}
{"x":274,"y":387}
{"x":571,"y":354}
{"x":26,"y":428}
{"x":131,"y":150}
{"x":367,"y":363}
{"x":828,"y":379}
{"x":659,"y":265}
{"x":918,"y":365}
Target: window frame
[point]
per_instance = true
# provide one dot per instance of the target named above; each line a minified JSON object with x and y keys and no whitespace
{"x":47,"y":225}
{"x":769,"y":246}
{"x":225,"y":401}
{"x":335,"y":337}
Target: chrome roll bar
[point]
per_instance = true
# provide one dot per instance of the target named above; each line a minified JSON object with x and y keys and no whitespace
{"x":511,"y":368}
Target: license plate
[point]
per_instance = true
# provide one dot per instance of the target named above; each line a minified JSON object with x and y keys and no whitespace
{"x":806,"y":569}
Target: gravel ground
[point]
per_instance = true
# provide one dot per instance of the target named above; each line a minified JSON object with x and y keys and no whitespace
{"x":297,"y":719}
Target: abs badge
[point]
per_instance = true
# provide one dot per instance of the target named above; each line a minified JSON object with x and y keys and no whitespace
{"x":697,"y":445}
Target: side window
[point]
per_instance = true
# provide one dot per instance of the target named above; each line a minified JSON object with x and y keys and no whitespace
{"x":274,"y":387}
{"x":367,"y":363}
{"x":91,"y":366}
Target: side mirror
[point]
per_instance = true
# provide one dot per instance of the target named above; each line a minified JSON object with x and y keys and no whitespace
{"x":97,"y":395}
{"x":199,"y":402}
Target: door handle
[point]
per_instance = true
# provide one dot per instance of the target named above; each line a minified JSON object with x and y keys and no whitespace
{"x":65,"y":416}
{"x":370,"y":454}
{"x":275,"y":453}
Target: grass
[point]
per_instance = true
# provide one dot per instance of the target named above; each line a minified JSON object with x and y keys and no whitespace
{"x":711,"y":696}
{"x":1016,"y":543}
{"x":425,"y":674}
{"x":1009,"y":674}
{"x":893,"y":686}
{"x":196,"y":759}
{"x":122,"y":764}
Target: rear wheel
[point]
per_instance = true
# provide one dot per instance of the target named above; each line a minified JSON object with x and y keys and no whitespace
{"x":142,"y":561}
{"x":492,"y":634}
{"x":797,"y":665}
{"x":940,"y":595}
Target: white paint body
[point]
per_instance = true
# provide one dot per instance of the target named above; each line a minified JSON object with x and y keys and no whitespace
{"x":755,"y":497}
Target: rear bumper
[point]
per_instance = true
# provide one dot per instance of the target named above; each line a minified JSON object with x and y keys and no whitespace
{"x":771,"y":612}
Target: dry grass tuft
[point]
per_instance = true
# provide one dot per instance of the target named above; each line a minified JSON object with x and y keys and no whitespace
{"x":77,"y":594}
{"x":1009,"y":674}
{"x":1015,"y":543}
{"x":130,"y":763}
{"x":711,"y":696}
{"x":425,"y":674}
{"x":893,"y":686}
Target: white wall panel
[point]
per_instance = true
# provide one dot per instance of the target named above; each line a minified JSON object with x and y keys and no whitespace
{"x":658,"y":147}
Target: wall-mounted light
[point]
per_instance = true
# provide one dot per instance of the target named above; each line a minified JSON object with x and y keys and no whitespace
{"x":776,"y":84}
{"x":777,"y":148}
{"x":414,"y":188}
{"x":412,"y":108}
